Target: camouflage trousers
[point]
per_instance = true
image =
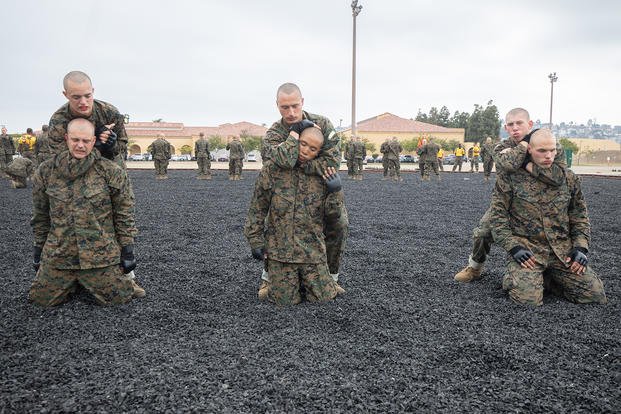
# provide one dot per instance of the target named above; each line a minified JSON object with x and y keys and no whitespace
{"x":335,"y":231}
{"x":287,"y":279}
{"x":526,"y":286}
{"x":52,"y":287}
{"x":385,"y":166}
{"x":394,"y":168}
{"x":430,"y":165}
{"x":350,"y":168}
{"x":474,"y":164}
{"x":20,"y":182}
{"x":3,"y":163}
{"x":458,"y":162}
{"x":482,"y":239}
{"x":235,"y":166}
{"x":440,"y":164}
{"x":421,"y":167}
{"x":488,"y":164}
{"x":8,"y":158}
{"x":357,"y":166}
{"x":204,"y":165}
{"x":161,"y":167}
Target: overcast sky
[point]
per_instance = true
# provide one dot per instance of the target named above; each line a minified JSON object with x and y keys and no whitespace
{"x":207,"y":62}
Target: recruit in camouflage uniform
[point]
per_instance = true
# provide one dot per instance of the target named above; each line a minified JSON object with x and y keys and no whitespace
{"x":7,"y":150}
{"x":349,"y":158}
{"x":236,"y":158}
{"x":359,"y":153}
{"x":26,"y":144}
{"x":295,"y":204}
{"x":161,"y":150}
{"x":103,"y":114}
{"x":392,"y":159}
{"x":19,"y":170}
{"x":510,"y":157}
{"x":201,"y":152}
{"x":551,"y":223}
{"x":84,"y":227}
{"x":42,"y":149}
{"x":283,"y":151}
{"x":383,"y":150}
{"x":429,"y":154}
{"x":487,"y":155}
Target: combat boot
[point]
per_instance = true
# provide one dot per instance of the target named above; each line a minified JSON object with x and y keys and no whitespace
{"x":339,"y":289}
{"x":264,"y":290}
{"x":468,"y":274}
{"x":139,"y":292}
{"x":231,"y":177}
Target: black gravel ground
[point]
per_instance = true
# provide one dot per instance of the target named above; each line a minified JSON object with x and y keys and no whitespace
{"x":405,"y":337}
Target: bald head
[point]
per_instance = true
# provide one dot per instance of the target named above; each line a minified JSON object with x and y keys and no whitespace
{"x":287,"y":89}
{"x":542,"y":147}
{"x":313,"y":133}
{"x":76,"y":77}
{"x":540,"y":136}
{"x":81,"y":125}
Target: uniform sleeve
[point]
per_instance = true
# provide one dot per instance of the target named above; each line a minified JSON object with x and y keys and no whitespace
{"x":511,"y":160}
{"x":123,"y":215}
{"x":254,"y":227}
{"x":579,"y":224}
{"x":285,"y":155}
{"x":40,"y":221}
{"x":500,"y":217}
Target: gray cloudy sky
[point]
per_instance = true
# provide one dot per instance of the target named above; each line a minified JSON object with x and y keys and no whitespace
{"x":206,"y":62}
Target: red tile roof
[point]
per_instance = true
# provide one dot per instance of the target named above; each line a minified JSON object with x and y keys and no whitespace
{"x":388,"y":122}
{"x":177,"y":129}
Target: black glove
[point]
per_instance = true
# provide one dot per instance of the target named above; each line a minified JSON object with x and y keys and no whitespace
{"x":578,"y":255}
{"x":258,"y":253}
{"x":105,"y":148}
{"x":301,"y":126}
{"x":128,"y":260}
{"x":333,"y":183}
{"x":530,"y":134}
{"x":521,"y":254}
{"x":36,"y":258}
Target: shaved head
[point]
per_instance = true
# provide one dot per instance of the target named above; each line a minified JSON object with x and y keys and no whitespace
{"x":76,"y":77}
{"x":81,"y":125}
{"x":518,"y":112}
{"x":313,"y":133}
{"x":288,"y":88}
{"x":541,"y":135}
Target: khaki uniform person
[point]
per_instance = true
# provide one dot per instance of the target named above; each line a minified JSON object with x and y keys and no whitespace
{"x":201,"y":151}
{"x":236,"y":158}
{"x":83,"y":224}
{"x":546,"y":230}
{"x":161,"y":150}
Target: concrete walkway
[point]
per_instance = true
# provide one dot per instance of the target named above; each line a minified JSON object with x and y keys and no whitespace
{"x":613,"y":171}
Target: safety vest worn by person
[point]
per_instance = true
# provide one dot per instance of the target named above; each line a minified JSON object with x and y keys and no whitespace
{"x":460,"y":152}
{"x":476,"y":151}
{"x":440,"y":153}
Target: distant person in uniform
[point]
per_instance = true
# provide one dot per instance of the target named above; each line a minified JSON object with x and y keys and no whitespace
{"x":474,"y":162}
{"x":161,"y":151}
{"x":26,"y":144}
{"x":201,"y":151}
{"x":383,"y":151}
{"x":359,"y":153}
{"x":42,"y":149}
{"x":429,"y":152}
{"x":487,"y":155}
{"x":459,"y":157}
{"x":236,"y":158}
{"x":19,"y":170}
{"x":7,"y":150}
{"x":83,"y":224}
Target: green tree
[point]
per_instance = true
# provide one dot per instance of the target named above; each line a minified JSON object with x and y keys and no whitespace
{"x":251,"y":142}
{"x":186,"y":149}
{"x":410,"y":145}
{"x":369,"y":146}
{"x":568,"y":145}
{"x":459,"y":120}
{"x":215,"y":142}
{"x":422,"y":117}
{"x":483,"y":122}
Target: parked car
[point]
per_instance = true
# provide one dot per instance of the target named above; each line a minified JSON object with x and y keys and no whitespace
{"x":223,"y":158}
{"x":370,"y":159}
{"x":136,"y":157}
{"x":449,"y":159}
{"x":181,"y":157}
{"x":251,"y":157}
{"x":407,"y":158}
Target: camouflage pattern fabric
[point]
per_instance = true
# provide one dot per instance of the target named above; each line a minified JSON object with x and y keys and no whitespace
{"x":458,"y":162}
{"x":429,"y":155}
{"x":549,"y":221}
{"x":394,"y":163}
{"x":103,"y":114}
{"x":108,"y":285}
{"x":201,"y":151}
{"x":295,"y":205}
{"x":20,"y":168}
{"x":236,"y":166}
{"x":283,"y":150}
{"x":83,"y":212}
{"x":487,"y":155}
{"x":474,"y":161}
{"x":286,"y":279}
{"x":349,"y":157}
{"x":161,"y":150}
{"x":236,"y":150}
{"x":384,"y":150}
{"x":42,"y":149}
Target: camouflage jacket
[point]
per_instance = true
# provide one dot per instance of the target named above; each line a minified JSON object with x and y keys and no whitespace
{"x":384,"y":148}
{"x":487,"y":152}
{"x":360,"y":151}
{"x":103,"y":114}
{"x":8,"y":147}
{"x":430,"y":152}
{"x":160,"y":149}
{"x":295,"y":205}
{"x":394,"y":148}
{"x":20,"y":167}
{"x":283,"y":149}
{"x":42,"y":146}
{"x":236,"y":150}
{"x":349,"y":151}
{"x":547,"y":219}
{"x":201,"y":148}
{"x":83,"y":211}
{"x":512,"y":161}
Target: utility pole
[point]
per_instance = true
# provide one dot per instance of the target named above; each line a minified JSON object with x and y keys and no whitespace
{"x":553,"y":78}
{"x":355,"y":9}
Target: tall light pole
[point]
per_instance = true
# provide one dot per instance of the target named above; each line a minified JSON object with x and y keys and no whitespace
{"x":553,"y":78}
{"x":355,"y":10}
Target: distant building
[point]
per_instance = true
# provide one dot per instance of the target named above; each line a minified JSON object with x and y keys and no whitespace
{"x":142,"y":134}
{"x":387,"y":125}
